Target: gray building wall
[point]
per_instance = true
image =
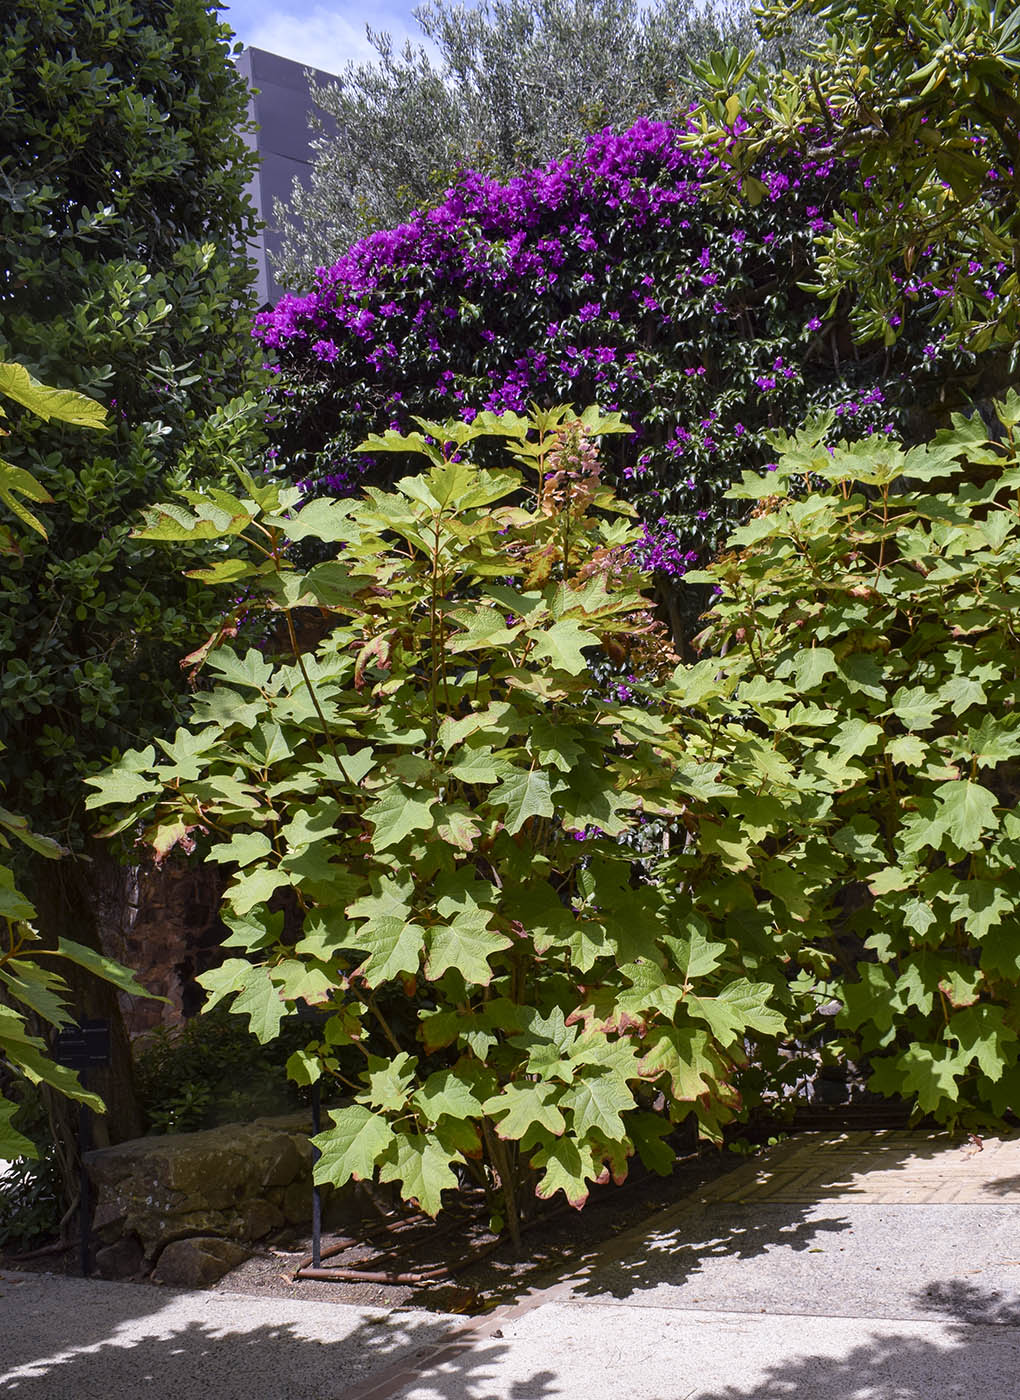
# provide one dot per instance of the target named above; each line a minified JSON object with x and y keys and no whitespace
{"x":281,"y":105}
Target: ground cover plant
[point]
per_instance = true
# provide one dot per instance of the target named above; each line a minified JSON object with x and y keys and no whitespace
{"x":211,"y":1070}
{"x":424,"y":815}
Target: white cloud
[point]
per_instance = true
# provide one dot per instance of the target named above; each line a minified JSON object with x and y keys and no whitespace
{"x":321,"y":37}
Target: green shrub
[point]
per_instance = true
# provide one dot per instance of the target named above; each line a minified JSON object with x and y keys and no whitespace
{"x":860,"y":689}
{"x":30,"y":1201}
{"x":210,"y":1070}
{"x":437,"y":792}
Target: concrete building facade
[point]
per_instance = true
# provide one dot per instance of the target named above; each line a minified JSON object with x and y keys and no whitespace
{"x":280,"y":104}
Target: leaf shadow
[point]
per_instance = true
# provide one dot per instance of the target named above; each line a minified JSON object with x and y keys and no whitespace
{"x":64,"y":1337}
{"x":974,"y":1354}
{"x":1004,"y":1186}
{"x":677,"y":1251}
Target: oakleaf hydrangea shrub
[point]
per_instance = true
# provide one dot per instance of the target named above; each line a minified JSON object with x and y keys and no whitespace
{"x":608,"y":276}
{"x":424,"y":818}
{"x":861,"y":670}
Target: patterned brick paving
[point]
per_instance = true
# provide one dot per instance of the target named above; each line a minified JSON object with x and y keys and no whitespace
{"x":882,"y":1168}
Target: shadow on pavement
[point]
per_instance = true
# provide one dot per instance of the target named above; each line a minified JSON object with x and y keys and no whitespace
{"x":677,"y":1250}
{"x":151,"y":1343}
{"x":1004,"y":1186}
{"x":976,"y":1357}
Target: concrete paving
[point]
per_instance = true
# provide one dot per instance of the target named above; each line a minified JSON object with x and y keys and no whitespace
{"x":858,"y":1266}
{"x":83,"y":1339}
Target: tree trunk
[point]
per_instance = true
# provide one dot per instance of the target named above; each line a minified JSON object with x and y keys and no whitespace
{"x":67,"y":895}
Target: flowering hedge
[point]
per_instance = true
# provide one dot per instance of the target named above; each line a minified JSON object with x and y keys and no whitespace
{"x":608,"y":277}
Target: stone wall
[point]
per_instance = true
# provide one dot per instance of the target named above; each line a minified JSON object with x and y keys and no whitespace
{"x":221,"y":1191}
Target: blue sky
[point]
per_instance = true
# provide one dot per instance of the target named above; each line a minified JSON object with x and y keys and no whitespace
{"x":322,"y":33}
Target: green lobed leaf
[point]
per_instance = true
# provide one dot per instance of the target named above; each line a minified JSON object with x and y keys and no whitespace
{"x":520,"y":1106}
{"x":399,"y":812}
{"x":447,"y":1092}
{"x":740,"y":1007}
{"x":422,"y":1166}
{"x":66,"y":405}
{"x":566,"y":1166}
{"x":967,"y":810}
{"x":524,"y":795}
{"x":597,"y":1103}
{"x":352,"y":1147}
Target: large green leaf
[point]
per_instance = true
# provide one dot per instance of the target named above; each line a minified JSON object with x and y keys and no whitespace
{"x":353,"y":1146}
{"x":564,"y":645}
{"x":524,"y":795}
{"x":392,"y":944}
{"x":422,"y":1166}
{"x":397,"y":813}
{"x":259,"y":999}
{"x":447,"y":1092}
{"x":695,"y":956}
{"x":518,"y":1106}
{"x":566,"y":1166}
{"x":242,"y":849}
{"x":983,"y":1035}
{"x":120,"y":786}
{"x":740,"y":1007}
{"x":39,"y":989}
{"x":467,"y":944}
{"x":101,"y":966}
{"x":37,"y":1066}
{"x":255,"y":887}
{"x":389,"y":1081}
{"x":597,"y":1103}
{"x":18,"y":826}
{"x":13,"y":904}
{"x":968,"y":810}
{"x":681,"y":1054}
{"x":67,"y":405}
{"x":12,"y":1143}
{"x":929,"y":1072}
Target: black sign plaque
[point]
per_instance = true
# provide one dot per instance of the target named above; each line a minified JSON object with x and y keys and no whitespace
{"x":86,"y":1046}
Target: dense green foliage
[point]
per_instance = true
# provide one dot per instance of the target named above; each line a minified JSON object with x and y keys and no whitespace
{"x":926,"y":97}
{"x":30,"y":1208}
{"x":30,"y":986}
{"x":123,"y":219}
{"x":437,"y":799}
{"x":430,"y":806}
{"x":212,"y":1070}
{"x":501,"y":85}
{"x":865,"y":637}
{"x":545,"y":916}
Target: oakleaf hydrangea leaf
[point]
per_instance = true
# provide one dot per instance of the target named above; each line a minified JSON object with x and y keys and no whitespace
{"x":597,"y":1103}
{"x":353,"y":1146}
{"x":567,"y":1166}
{"x":466,"y":944}
{"x":422,"y":1166}
{"x":524,"y":795}
{"x":397,"y":813}
{"x":519,"y":1106}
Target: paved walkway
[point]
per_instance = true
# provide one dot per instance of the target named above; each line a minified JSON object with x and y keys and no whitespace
{"x":858,"y":1266}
